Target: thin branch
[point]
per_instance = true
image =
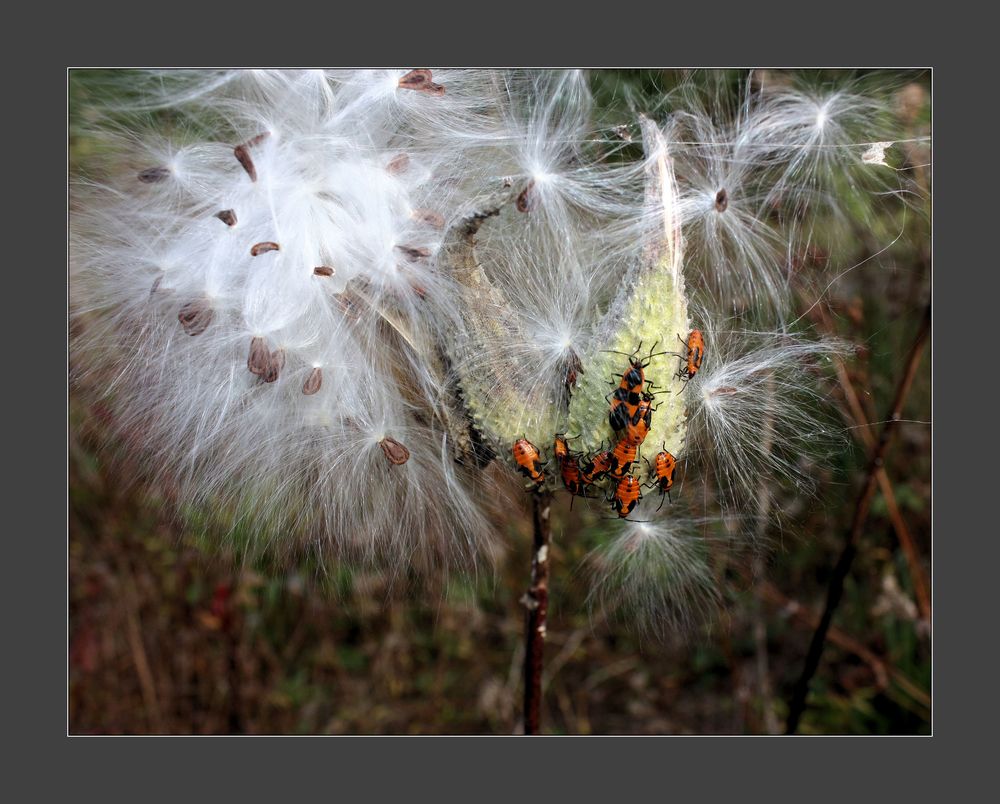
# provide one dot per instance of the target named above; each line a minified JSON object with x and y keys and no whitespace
{"x":881,"y":669}
{"x":536,"y":601}
{"x":836,"y":588}
{"x":906,"y":542}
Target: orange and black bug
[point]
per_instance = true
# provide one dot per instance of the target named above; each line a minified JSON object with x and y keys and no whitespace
{"x":560,"y":448}
{"x":626,"y":397}
{"x":595,"y":467}
{"x":528,"y":459}
{"x":572,"y":478}
{"x":638,"y":426}
{"x":695,"y":354}
{"x":662,"y":472}
{"x":622,"y":457}
{"x":626,"y":496}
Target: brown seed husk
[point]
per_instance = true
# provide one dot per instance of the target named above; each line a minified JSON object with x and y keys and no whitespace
{"x":398,"y":164}
{"x":415,"y":253}
{"x":154,"y":175}
{"x":195,"y":317}
{"x":394,"y":452}
{"x":324,"y":270}
{"x":524,"y":200}
{"x":721,"y":200}
{"x":313,"y":382}
{"x":430,"y":217}
{"x":227,"y":216}
{"x":259,"y":358}
{"x":421,"y":81}
{"x":242,"y":153}
{"x":263,"y":248}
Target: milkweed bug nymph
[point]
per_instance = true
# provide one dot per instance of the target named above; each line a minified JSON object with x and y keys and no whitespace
{"x":622,"y":457}
{"x":528,"y":459}
{"x":629,"y":393}
{"x":626,"y":496}
{"x":638,"y":426}
{"x":662,"y":472}
{"x":596,"y":467}
{"x":570,"y":470}
{"x":695,"y":354}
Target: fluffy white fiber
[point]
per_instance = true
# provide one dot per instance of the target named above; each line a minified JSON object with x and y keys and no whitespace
{"x":277,"y":293}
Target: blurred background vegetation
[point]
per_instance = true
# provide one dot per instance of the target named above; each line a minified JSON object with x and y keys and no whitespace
{"x":172,"y":633}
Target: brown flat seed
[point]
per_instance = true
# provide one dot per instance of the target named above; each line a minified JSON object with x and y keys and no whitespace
{"x":721,"y":200}
{"x":259,"y":358}
{"x":275,"y":364}
{"x":415,"y":253}
{"x":724,"y":390}
{"x":398,"y":164}
{"x":420,"y":80}
{"x":195,"y":317}
{"x":242,"y":153}
{"x":313,"y":382}
{"x":278,"y":359}
{"x":524,"y":201}
{"x":430,"y":217}
{"x":154,"y":175}
{"x":227,"y":216}
{"x":395,"y":452}
{"x":263,"y":248}
{"x":324,"y":270}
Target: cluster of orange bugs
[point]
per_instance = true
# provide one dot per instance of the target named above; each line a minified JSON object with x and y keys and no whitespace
{"x":630,"y":415}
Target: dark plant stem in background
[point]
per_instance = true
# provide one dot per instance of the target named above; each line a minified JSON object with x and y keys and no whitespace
{"x":836,"y":588}
{"x":536,"y":601}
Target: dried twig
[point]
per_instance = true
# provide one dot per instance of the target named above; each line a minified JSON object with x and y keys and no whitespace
{"x":843,"y":566}
{"x":859,"y":419}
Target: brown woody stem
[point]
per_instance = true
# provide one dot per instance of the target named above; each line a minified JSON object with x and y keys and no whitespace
{"x":536,"y":601}
{"x":836,"y":588}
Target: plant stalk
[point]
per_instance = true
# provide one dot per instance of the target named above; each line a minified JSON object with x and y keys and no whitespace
{"x":836,"y":587}
{"x":536,"y":602}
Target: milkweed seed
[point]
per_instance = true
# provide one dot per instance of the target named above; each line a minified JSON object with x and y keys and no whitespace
{"x":394,"y":452}
{"x":420,"y":80}
{"x":430,"y":217}
{"x":195,"y":317}
{"x":524,"y":201}
{"x":313,"y":382}
{"x":324,"y":270}
{"x":721,"y":200}
{"x":259,"y":358}
{"x":263,"y":248}
{"x":154,"y":175}
{"x":415,"y":253}
{"x":242,"y":153}
{"x":274,"y":366}
{"x":227,"y":216}
{"x":398,"y":164}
